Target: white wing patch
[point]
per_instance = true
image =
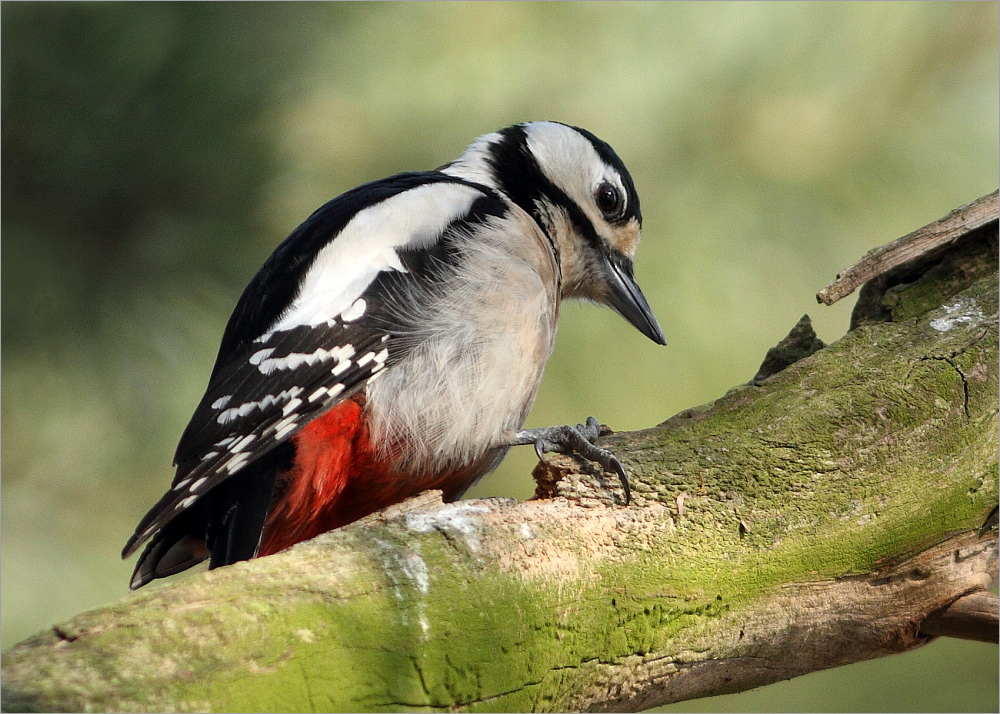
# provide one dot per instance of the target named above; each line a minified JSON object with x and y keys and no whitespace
{"x":354,"y":311}
{"x":285,"y":426}
{"x":379,"y":359}
{"x":345,"y":267}
{"x":274,"y":417}
{"x":242,"y":410}
{"x":266,"y":364}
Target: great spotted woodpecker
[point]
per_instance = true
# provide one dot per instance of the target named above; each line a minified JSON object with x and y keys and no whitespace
{"x":394,"y":343}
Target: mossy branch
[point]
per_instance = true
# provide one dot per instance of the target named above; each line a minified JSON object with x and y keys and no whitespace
{"x":818,"y":516}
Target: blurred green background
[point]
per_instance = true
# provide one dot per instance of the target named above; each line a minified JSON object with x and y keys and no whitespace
{"x":154,"y":155}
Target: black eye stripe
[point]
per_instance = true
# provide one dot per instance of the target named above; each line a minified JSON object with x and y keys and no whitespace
{"x":517,"y":173}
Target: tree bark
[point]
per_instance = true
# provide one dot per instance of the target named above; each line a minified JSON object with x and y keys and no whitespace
{"x":825,"y":514}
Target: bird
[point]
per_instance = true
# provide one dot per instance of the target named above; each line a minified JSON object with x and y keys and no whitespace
{"x":394,"y":343}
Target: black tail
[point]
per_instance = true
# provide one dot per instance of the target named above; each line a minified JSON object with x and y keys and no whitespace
{"x":237,"y":535}
{"x":225,"y":525}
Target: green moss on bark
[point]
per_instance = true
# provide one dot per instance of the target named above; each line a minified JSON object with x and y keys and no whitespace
{"x":867,"y":451}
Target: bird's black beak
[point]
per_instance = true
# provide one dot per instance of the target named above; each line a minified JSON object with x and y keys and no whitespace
{"x":628,"y":301}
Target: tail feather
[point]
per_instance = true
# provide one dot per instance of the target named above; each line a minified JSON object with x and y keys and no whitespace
{"x":238,"y":536}
{"x":224,"y":525}
{"x":170,"y":551}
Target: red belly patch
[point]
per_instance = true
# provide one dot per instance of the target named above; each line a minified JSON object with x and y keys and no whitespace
{"x":329,"y":452}
{"x":337,"y":477}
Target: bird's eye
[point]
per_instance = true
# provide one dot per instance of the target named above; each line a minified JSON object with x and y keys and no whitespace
{"x":609,"y":200}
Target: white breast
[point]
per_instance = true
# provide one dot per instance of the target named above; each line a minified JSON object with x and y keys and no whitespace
{"x":483,"y":346}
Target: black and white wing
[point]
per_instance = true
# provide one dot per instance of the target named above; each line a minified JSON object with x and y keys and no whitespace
{"x":324,"y":315}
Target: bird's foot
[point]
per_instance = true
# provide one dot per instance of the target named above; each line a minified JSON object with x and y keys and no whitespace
{"x":574,"y":440}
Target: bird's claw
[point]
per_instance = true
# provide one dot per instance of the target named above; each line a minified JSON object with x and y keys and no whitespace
{"x":575,"y":440}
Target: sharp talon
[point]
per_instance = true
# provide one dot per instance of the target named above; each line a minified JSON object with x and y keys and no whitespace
{"x":623,"y":477}
{"x":579,"y":440}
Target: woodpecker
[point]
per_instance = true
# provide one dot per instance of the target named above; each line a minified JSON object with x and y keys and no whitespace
{"x":394,"y":343}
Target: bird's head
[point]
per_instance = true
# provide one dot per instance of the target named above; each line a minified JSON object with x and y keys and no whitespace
{"x":582,"y":197}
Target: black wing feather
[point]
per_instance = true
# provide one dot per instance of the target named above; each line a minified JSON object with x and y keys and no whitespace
{"x":257,"y":399}
{"x":214,"y":450}
{"x":276,"y":284}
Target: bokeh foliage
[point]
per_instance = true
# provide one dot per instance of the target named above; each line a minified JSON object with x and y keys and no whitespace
{"x":153,"y":155}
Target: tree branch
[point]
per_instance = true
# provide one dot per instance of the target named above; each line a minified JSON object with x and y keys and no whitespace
{"x":971,"y":617}
{"x":921,"y":242}
{"x":829,"y":512}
